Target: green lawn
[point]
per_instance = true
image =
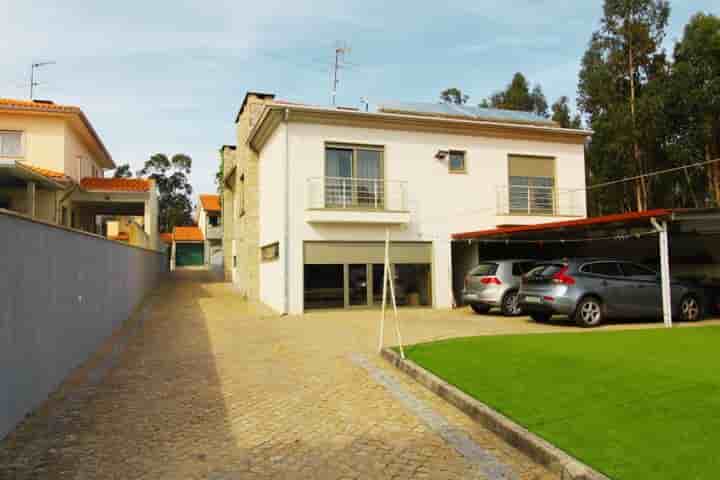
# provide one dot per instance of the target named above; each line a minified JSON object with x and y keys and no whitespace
{"x":642,"y":404}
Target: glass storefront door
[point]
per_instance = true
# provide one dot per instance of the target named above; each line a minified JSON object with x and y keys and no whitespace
{"x":357,"y":284}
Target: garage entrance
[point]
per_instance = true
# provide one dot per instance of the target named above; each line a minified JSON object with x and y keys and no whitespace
{"x":189,"y":254}
{"x":690,"y":245}
{"x":350,"y":274}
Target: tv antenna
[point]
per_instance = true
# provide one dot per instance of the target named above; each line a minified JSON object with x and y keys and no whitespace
{"x":33,"y":83}
{"x":341,"y":49}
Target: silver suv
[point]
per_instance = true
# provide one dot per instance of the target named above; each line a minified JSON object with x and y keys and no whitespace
{"x":495,"y":284}
{"x":591,"y":290}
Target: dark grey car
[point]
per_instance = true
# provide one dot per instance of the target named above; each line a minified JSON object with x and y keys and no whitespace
{"x":591,"y":290}
{"x":495,"y":284}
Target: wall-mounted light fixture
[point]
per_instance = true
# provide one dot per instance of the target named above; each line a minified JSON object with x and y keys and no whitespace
{"x":441,"y":154}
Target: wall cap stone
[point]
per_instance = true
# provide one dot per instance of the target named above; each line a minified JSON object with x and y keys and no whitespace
{"x":27,"y":218}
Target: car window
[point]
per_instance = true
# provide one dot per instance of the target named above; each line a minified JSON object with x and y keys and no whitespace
{"x":545,"y":270}
{"x":635,"y":270}
{"x":609,"y":269}
{"x":521,"y":268}
{"x":484,"y":270}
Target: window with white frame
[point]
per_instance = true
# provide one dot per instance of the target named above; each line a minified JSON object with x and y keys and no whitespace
{"x":532,"y":185}
{"x":11,"y":144}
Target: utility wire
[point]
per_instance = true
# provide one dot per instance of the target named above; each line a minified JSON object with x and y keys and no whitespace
{"x":646,"y":175}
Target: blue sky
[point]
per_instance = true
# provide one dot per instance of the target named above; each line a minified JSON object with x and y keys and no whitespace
{"x":160,"y":76}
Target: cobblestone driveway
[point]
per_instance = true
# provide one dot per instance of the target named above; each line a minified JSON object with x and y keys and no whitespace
{"x":201,"y":385}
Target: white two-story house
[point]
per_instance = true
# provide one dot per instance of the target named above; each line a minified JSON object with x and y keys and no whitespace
{"x":330,"y":181}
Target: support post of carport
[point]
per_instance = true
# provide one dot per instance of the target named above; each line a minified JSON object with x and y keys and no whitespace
{"x":664,"y":246}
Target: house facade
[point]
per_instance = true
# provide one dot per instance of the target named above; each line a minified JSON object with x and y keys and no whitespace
{"x":210,"y":223}
{"x":52,"y":164}
{"x":322,"y":186}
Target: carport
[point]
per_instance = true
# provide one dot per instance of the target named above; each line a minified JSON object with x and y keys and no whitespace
{"x":683,"y":239}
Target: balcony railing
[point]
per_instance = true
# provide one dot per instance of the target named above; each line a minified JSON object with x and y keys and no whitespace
{"x":356,"y":194}
{"x":537,"y":200}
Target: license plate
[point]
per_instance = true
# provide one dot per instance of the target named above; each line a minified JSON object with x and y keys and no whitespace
{"x":532,"y":300}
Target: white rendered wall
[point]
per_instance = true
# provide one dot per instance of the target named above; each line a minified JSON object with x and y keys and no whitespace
{"x":440,"y":203}
{"x":271,"y":183}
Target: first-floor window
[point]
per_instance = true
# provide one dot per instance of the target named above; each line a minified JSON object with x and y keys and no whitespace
{"x":456,"y":163}
{"x":10,"y":144}
{"x":270,"y":252}
{"x":354,"y":176}
{"x":531,"y":185}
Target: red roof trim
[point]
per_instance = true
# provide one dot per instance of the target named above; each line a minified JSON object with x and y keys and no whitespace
{"x":585,"y":222}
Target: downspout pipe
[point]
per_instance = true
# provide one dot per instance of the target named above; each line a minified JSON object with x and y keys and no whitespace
{"x":286,"y":229}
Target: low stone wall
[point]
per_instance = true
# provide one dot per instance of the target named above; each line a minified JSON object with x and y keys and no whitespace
{"x":62,"y":292}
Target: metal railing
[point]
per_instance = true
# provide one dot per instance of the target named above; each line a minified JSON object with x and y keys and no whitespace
{"x":356,"y":193}
{"x":537,"y":200}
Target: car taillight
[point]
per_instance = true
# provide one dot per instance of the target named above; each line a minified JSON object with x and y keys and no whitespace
{"x":490,"y":281}
{"x":561,"y":277}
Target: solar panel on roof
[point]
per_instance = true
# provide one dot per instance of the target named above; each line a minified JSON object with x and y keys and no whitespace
{"x":465,"y":111}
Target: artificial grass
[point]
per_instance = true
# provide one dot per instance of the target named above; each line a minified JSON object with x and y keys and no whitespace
{"x":635,"y":404}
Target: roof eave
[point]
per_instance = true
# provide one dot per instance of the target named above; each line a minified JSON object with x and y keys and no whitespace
{"x":429,"y":120}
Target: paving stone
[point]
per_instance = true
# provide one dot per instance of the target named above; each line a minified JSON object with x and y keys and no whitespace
{"x":206,"y":386}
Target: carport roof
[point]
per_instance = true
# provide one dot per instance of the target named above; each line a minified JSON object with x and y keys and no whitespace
{"x":624,"y":219}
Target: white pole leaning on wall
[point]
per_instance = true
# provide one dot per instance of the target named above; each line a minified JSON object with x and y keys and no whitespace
{"x":664,"y":246}
{"x":388,"y":281}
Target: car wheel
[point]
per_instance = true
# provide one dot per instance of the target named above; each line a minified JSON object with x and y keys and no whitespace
{"x":540,"y":317}
{"x":589,"y":313}
{"x":509,"y":306}
{"x":690,"y":309}
{"x":480,"y":308}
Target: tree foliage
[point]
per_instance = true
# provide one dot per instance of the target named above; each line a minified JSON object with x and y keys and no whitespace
{"x":518,"y":96}
{"x":453,"y":95}
{"x":123,"y":171}
{"x":174,"y":189}
{"x":562,"y":116}
{"x":620,"y":84}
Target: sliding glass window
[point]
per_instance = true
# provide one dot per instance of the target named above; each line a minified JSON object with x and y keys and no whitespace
{"x":354,"y":177}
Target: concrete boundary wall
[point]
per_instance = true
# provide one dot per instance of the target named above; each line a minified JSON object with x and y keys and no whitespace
{"x":62,"y":292}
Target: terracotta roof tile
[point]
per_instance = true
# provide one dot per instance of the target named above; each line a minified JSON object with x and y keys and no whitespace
{"x":188,"y":234}
{"x":10,"y":103}
{"x":166,"y":238}
{"x":44,"y":171}
{"x":210,"y":203}
{"x":115,"y":184}
{"x":30,"y":106}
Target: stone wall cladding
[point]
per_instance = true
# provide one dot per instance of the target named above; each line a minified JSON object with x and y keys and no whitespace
{"x":527,"y":442}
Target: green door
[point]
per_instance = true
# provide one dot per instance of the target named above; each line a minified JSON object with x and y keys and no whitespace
{"x":189,"y":254}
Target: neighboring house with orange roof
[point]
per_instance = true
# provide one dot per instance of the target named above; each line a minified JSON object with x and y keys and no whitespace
{"x":210,"y":223}
{"x":187,"y":248}
{"x":52,"y":164}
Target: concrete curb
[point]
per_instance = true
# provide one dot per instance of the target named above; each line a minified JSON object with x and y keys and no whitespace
{"x":527,"y":442}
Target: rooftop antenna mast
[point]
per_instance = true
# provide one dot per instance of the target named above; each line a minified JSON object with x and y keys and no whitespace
{"x":341,"y":49}
{"x":33,"y":83}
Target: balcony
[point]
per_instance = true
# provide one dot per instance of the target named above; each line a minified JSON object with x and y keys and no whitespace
{"x":356,"y":200}
{"x":214,"y":232}
{"x":539,"y":201}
